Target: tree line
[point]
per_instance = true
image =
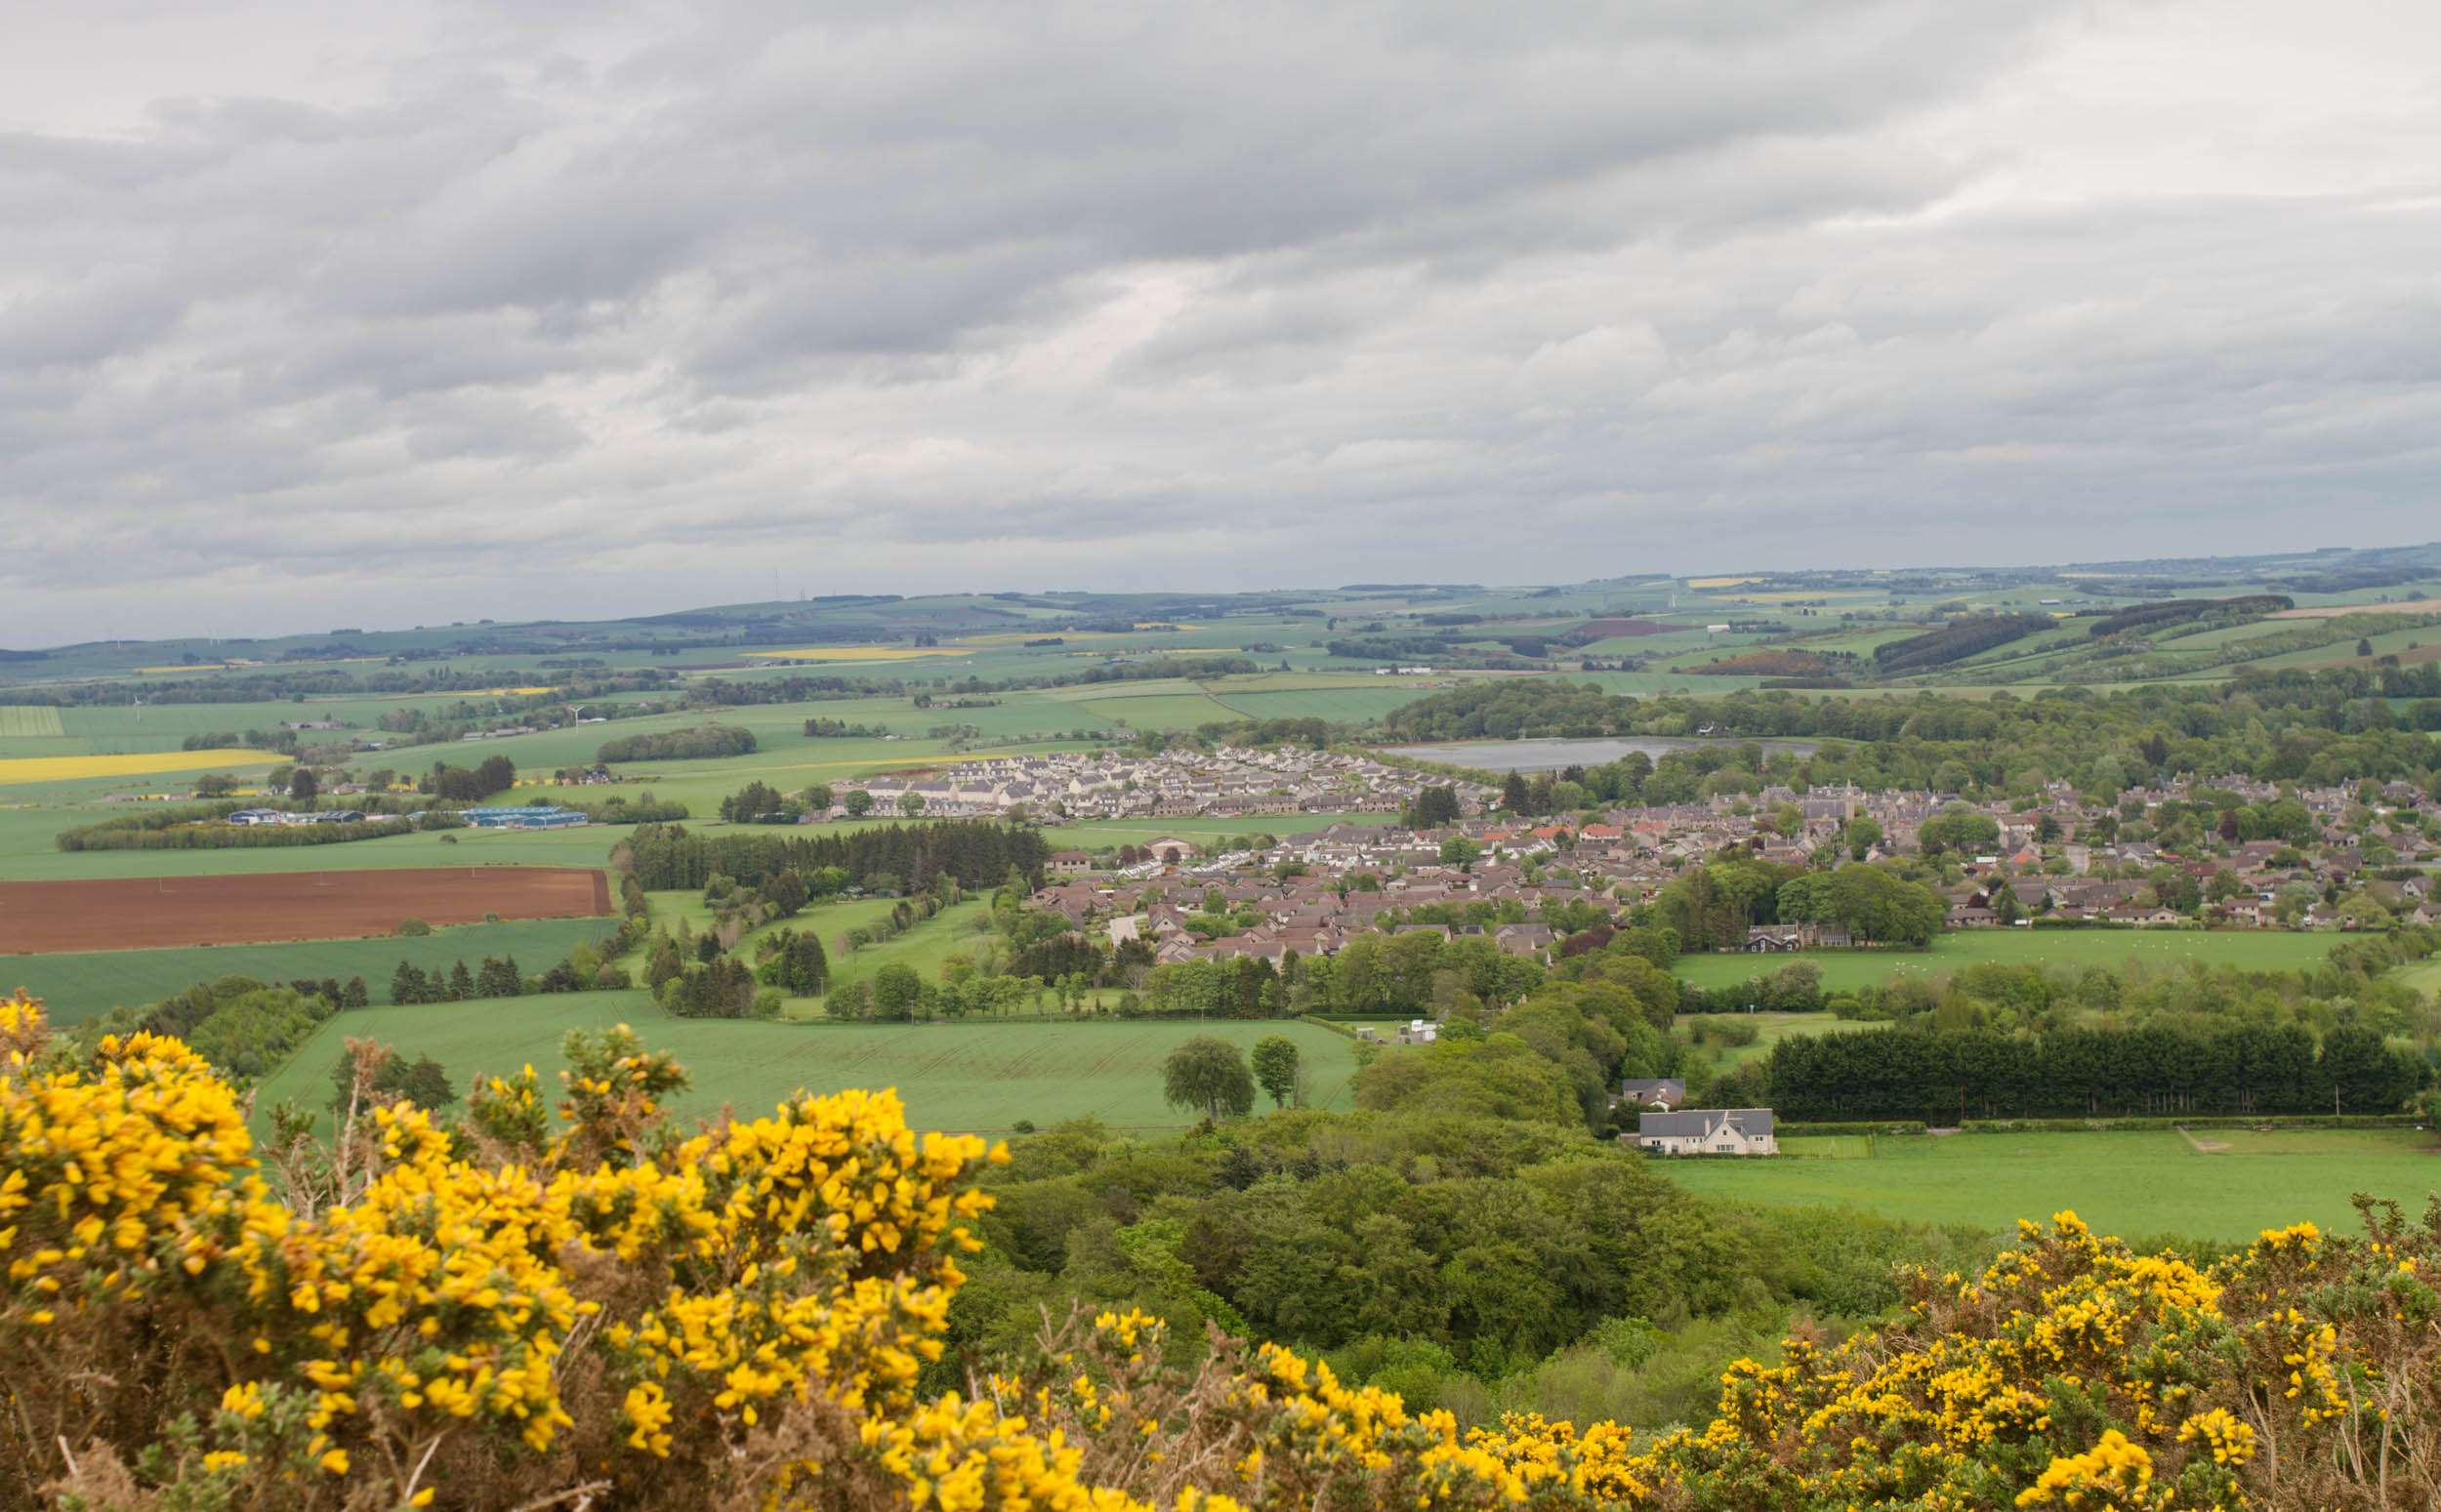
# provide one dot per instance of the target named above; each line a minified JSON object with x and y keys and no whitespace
{"x":587,"y":968}
{"x":2321,"y":727}
{"x":977,"y":853}
{"x":189,"y":830}
{"x":693,"y":742}
{"x":1955,"y":641}
{"x":1945,"y":1075}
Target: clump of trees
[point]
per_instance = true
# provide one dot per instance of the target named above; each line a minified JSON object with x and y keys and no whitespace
{"x":694,"y":742}
{"x":244,"y":1027}
{"x":976,"y":853}
{"x":1208,"y":1076}
{"x":468,"y":785}
{"x":1965,"y":636}
{"x":1712,"y":906}
{"x":759,"y":803}
{"x":793,"y":961}
{"x":390,"y":1077}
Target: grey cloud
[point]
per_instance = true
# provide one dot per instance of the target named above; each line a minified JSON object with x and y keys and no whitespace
{"x":962,"y":294}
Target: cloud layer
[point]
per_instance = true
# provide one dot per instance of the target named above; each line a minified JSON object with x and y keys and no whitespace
{"x":589,"y":311}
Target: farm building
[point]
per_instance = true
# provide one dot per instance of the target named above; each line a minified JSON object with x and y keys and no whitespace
{"x":1709,"y":1131}
{"x":1664,"y":1093}
{"x":284,"y":818}
{"x":533,"y":816}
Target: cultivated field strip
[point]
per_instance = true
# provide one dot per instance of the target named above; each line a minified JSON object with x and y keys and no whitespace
{"x":97,"y":913}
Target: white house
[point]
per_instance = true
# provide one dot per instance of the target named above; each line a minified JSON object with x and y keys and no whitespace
{"x":1708,"y":1131}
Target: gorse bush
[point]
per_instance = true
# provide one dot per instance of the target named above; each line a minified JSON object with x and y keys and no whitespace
{"x":590,"y":1306}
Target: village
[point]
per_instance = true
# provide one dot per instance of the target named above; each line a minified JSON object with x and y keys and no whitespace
{"x":1525,"y":883}
{"x":1229,"y":782}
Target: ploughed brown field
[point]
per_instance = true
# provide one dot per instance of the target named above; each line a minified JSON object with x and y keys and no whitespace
{"x":139,"y":913}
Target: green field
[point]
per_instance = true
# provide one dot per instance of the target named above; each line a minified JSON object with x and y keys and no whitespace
{"x":25,"y":721}
{"x":922,"y":947}
{"x":973,"y":1077}
{"x":2129,"y":1184}
{"x":1351,"y":704}
{"x":1162,"y":710}
{"x":2423,"y":975}
{"x":1769,"y":1030}
{"x":78,"y":986}
{"x":2255,"y":949}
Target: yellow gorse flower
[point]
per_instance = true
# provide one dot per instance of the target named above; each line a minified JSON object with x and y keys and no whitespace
{"x":701,"y":1293}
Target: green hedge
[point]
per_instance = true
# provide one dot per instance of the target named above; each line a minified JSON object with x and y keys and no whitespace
{"x":2164,"y":1125}
{"x":1318,"y":1021}
{"x":1834,"y":1130}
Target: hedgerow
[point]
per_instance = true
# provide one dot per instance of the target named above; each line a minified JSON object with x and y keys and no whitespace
{"x":594,"y":1307}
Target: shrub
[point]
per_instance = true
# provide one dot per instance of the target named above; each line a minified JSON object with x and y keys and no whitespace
{"x":604,"y":1308}
{"x":413,"y":927}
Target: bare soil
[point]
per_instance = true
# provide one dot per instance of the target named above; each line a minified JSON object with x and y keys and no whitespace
{"x":139,"y":913}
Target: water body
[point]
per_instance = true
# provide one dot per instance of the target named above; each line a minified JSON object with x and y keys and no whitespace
{"x":1549,"y":756}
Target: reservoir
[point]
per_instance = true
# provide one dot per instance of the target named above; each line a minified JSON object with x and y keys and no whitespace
{"x":1549,"y":756}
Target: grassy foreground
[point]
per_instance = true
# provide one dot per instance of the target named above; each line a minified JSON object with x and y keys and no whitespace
{"x":2128,"y":1184}
{"x":964,"y":1077}
{"x":2253,"y":949}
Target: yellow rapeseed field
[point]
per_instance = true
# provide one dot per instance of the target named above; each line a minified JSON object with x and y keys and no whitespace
{"x":68,"y":769}
{"x":1719,"y":582}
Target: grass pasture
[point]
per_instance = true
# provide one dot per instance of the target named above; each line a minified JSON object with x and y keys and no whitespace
{"x":29,"y":721}
{"x":922,"y":947}
{"x":1351,"y":705}
{"x":1770,"y":1029}
{"x":78,"y":986}
{"x":1162,"y":710}
{"x":976,"y":1076}
{"x":2128,"y":1184}
{"x":2255,"y":950}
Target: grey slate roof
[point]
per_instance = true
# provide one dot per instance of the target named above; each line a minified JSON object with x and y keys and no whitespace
{"x":1696,"y":1124}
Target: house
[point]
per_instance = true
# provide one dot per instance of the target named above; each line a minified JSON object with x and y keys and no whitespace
{"x":1069,"y":863}
{"x":1708,"y":1131}
{"x":1663,"y":1092}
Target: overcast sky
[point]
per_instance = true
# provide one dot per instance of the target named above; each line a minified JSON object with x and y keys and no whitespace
{"x":565,"y":310}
